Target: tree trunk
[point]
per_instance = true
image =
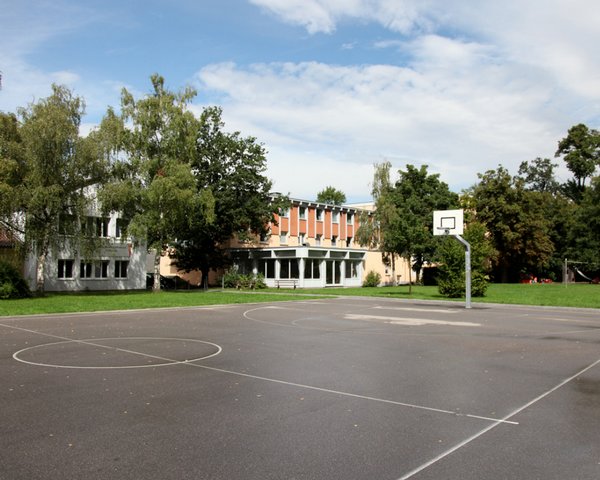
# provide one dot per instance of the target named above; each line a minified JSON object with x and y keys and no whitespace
{"x":156,"y":284}
{"x":394,"y":269}
{"x":409,"y":276}
{"x":40,"y":270}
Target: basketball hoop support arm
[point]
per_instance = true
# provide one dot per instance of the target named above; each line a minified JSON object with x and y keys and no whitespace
{"x":467,"y":270}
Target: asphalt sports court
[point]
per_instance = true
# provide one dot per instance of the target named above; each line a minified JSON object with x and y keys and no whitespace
{"x":345,"y":388}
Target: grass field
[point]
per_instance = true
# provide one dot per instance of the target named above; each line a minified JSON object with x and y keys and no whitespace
{"x":576,"y":295}
{"x":556,"y":295}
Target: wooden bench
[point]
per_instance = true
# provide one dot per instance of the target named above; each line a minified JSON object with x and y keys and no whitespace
{"x":287,"y":283}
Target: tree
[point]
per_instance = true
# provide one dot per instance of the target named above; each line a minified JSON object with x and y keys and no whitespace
{"x":538,"y":175}
{"x":584,"y":235}
{"x":451,"y":256}
{"x":516,"y":221}
{"x":152,"y":147}
{"x":404,"y":212}
{"x":581,"y":152}
{"x":331,"y":195}
{"x":374,"y":227}
{"x":231,"y":168}
{"x":46,"y":173}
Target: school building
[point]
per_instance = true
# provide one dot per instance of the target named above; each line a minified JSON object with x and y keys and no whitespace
{"x":309,"y":245}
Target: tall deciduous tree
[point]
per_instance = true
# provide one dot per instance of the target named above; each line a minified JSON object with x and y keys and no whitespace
{"x":517,"y":222}
{"x":231,"y":167}
{"x":581,"y":152}
{"x":152,"y":147}
{"x":404,"y":210}
{"x":331,"y":195}
{"x":538,"y":175}
{"x":45,"y":172}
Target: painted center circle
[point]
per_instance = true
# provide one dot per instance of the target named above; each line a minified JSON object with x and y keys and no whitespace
{"x":118,"y":352}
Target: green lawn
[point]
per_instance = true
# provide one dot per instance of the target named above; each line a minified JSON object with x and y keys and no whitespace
{"x":94,"y":302}
{"x":557,"y":295}
{"x":579,"y":295}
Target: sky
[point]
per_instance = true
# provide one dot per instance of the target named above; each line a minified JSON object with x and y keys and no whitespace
{"x":330,"y":87}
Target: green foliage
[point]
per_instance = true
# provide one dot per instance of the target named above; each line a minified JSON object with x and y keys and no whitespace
{"x":12,"y":284}
{"x":231,"y":168}
{"x":451,"y":256}
{"x":373,"y":279}
{"x":233,"y":279}
{"x":581,"y":152}
{"x":331,"y":195}
{"x":517,"y":221}
{"x":538,"y":175}
{"x":404,"y":210}
{"x":584,"y":234}
{"x":152,"y":147}
{"x":46,"y":171}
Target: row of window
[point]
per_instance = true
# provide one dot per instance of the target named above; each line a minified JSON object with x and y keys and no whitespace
{"x":96,"y":269}
{"x":302,"y":214}
{"x":289,"y":268}
{"x":283,"y":239}
{"x":92,"y":226}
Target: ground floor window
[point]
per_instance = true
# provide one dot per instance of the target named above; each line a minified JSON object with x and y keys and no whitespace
{"x":65,"y":268}
{"x":97,"y":269}
{"x":121,"y":267}
{"x":288,"y":268}
{"x":352,"y":269}
{"x":312,"y":268}
{"x":333,"y":272}
{"x":267,"y":267}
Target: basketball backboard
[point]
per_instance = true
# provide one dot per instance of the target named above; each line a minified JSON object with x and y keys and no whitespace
{"x":448,"y":222}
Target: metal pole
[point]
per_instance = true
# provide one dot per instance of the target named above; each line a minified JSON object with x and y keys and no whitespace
{"x":467,"y":270}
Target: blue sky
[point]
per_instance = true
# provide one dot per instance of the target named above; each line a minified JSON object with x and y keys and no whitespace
{"x":330,"y":87}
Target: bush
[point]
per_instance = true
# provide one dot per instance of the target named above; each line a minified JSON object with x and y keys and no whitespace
{"x":12,"y":284}
{"x":233,"y":279}
{"x":373,"y":279}
{"x":453,"y":285}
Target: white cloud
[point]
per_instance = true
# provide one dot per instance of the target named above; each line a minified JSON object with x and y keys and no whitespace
{"x":324,"y":15}
{"x":454,"y":110}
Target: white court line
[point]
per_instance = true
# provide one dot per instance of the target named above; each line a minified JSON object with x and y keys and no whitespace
{"x":92,"y":344}
{"x":272,"y":380}
{"x":443,"y":455}
{"x":415,"y":309}
{"x":409,"y":321}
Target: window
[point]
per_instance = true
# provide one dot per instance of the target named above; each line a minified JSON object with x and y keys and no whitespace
{"x":318,"y":239}
{"x":301,"y":239}
{"x":65,"y":268}
{"x":312,"y":268}
{"x":284,"y":212}
{"x":348,"y":242}
{"x":267,"y":268}
{"x":121,"y":227}
{"x":302,"y":213}
{"x":85,"y":270}
{"x":352,"y":269}
{"x":350,"y":219}
{"x":334,"y":241}
{"x":288,"y":268}
{"x":102,"y":227}
{"x":335,"y":217}
{"x":283,"y":238}
{"x":98,"y":269}
{"x":319,"y":214}
{"x":101,"y":269}
{"x":121,"y":267}
{"x":96,"y":226}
